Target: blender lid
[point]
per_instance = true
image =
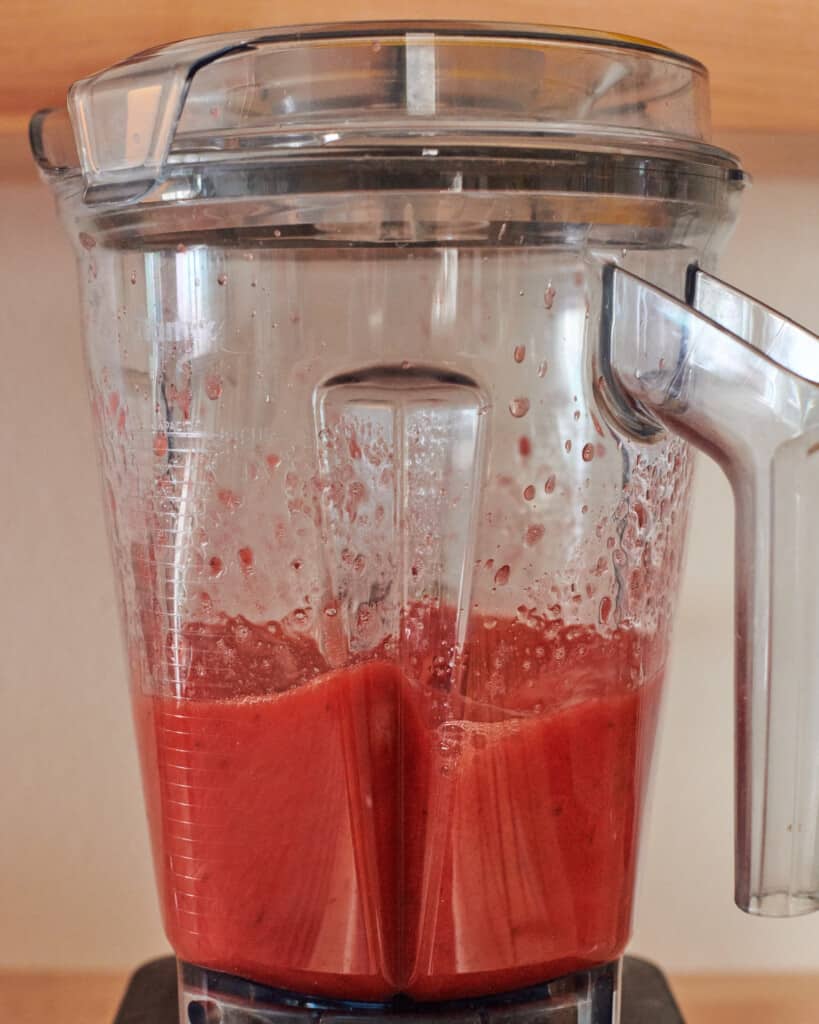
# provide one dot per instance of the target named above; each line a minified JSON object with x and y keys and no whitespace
{"x":418,"y":86}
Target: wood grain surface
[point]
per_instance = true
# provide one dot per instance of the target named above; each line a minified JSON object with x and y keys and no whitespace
{"x":60,"y":997}
{"x":748,"y":998}
{"x":763,"y":54}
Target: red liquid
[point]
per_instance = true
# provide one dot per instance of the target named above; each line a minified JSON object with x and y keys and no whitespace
{"x":358,"y":836}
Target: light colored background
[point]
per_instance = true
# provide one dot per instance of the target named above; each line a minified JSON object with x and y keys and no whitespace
{"x":75,"y":879}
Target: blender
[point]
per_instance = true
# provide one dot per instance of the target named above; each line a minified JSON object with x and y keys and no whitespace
{"x":398,"y":338}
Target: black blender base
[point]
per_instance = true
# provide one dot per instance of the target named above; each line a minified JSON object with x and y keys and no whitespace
{"x":152,"y":997}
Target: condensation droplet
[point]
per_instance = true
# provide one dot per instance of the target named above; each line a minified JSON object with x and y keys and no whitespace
{"x":502,"y":576}
{"x":273,"y":461}
{"x":216,"y":566}
{"x":221,"y":279}
{"x":524,"y":446}
{"x":550,"y":484}
{"x":132,"y":277}
{"x":588,"y":452}
{"x":87,"y":241}
{"x":331,"y":612}
{"x":529,"y":492}
{"x":160,"y":445}
{"x":213,"y":387}
{"x":568,"y":445}
{"x":519,"y":407}
{"x":297,"y":619}
{"x":542,"y":368}
{"x":605,"y":609}
{"x":490,"y":623}
{"x":229,"y":499}
{"x":520,"y":353}
{"x":549,"y":296}
{"x":576,"y":415}
{"x":534,"y":533}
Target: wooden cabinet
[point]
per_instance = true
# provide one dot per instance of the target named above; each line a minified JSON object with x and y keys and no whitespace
{"x":763,"y":54}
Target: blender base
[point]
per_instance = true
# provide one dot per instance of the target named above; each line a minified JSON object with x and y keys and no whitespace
{"x":162,"y":993}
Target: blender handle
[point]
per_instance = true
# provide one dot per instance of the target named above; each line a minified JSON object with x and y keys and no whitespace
{"x":741,"y":382}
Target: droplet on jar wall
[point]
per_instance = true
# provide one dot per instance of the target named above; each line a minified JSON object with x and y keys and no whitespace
{"x":534,"y":533}
{"x":502,"y":576}
{"x":519,"y":407}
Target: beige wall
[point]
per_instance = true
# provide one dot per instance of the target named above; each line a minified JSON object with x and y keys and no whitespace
{"x":75,"y":879}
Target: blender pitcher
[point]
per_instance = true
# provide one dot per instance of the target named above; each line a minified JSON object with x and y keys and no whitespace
{"x":397,"y":337}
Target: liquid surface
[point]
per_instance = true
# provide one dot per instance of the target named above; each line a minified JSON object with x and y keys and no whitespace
{"x":373,"y":831}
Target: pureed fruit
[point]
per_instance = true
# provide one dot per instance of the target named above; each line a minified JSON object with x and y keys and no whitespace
{"x":374,"y":830}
